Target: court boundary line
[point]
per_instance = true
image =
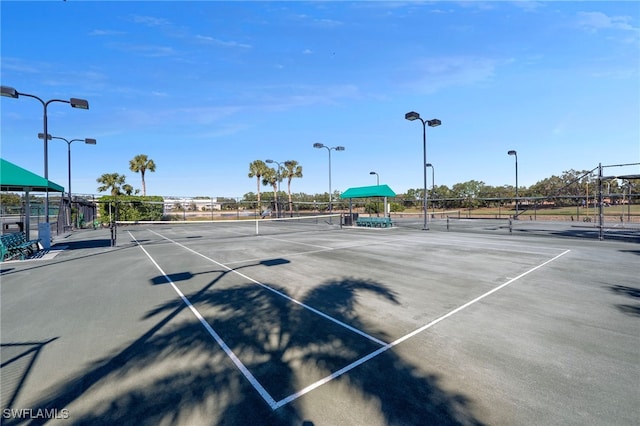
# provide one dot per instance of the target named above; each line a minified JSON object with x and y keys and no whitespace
{"x":243,"y":369}
{"x":396,"y":342}
{"x":274,"y":405}
{"x":279,"y":293}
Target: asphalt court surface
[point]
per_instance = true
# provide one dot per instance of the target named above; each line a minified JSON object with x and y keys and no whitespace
{"x":347,"y":326}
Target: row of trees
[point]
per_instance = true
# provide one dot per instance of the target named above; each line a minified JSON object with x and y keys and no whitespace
{"x":570,"y":188}
{"x":115,"y":183}
{"x":268,"y":176}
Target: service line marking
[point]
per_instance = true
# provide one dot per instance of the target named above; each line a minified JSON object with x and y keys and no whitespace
{"x":250,"y":377}
{"x":279,"y":293}
{"x":396,"y":342}
{"x":386,"y":346}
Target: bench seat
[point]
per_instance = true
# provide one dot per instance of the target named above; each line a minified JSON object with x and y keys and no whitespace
{"x":374,"y":222}
{"x":16,"y":245}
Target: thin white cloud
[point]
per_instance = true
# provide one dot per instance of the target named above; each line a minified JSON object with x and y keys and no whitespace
{"x":432,"y":74}
{"x":148,"y":50}
{"x":528,"y":6}
{"x":274,"y":97}
{"x":223,"y":43}
{"x":328,"y":22}
{"x":149,"y":21}
{"x":98,"y":32}
{"x":594,"y":21}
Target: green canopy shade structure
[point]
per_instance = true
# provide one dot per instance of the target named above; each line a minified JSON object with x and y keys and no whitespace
{"x":15,"y":178}
{"x":368,"y":191}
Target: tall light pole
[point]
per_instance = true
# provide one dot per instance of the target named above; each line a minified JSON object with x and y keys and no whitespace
{"x":411,"y":116}
{"x":377,"y":177}
{"x":385,"y":198}
{"x":74,"y":102}
{"x":433,"y":183}
{"x":337,"y":148}
{"x":514,"y":153}
{"x":88,"y":141}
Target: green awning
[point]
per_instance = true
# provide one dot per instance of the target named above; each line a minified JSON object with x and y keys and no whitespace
{"x":368,"y":191}
{"x":15,"y":178}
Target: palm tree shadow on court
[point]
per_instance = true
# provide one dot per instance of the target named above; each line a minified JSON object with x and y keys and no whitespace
{"x":177,"y":374}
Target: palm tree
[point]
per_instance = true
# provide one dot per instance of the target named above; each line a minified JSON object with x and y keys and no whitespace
{"x":257,"y":170}
{"x":271,"y":177}
{"x":291,"y":170}
{"x":112,"y":182}
{"x":128,"y":189}
{"x":141,"y":163}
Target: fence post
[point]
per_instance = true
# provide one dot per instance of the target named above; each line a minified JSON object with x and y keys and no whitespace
{"x":600,"y":208}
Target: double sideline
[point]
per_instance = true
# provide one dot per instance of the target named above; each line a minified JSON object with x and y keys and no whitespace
{"x":274,"y":405}
{"x":396,"y":342}
{"x":243,"y":369}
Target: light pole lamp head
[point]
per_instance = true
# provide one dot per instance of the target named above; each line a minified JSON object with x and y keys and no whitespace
{"x":512,"y":152}
{"x":41,"y":136}
{"x":268,"y":161}
{"x":339,"y":148}
{"x":412,"y":116}
{"x":79,"y":103}
{"x":90,"y":141}
{"x":434,"y":123}
{"x":372,"y":173}
{"x":9,"y":92}
{"x":428,"y":165}
{"x":318,"y":145}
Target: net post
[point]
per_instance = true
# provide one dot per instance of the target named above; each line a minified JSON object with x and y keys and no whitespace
{"x":113,"y":230}
{"x":447,"y":222}
{"x":600,"y":210}
{"x":510,"y":224}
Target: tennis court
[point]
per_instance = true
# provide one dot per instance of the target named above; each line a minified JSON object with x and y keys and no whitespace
{"x":309,"y":322}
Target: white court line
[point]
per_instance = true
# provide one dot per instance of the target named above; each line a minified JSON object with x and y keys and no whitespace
{"x":279,"y":293}
{"x":254,"y":382}
{"x":383,"y":349}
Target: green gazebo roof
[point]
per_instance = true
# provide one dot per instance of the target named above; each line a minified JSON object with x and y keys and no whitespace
{"x":368,"y":191}
{"x":15,"y":178}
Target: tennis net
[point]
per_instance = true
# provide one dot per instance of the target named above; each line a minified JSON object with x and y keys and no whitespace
{"x":236,"y":228}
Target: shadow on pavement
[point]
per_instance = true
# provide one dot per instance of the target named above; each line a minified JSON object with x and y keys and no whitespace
{"x":176,"y":370}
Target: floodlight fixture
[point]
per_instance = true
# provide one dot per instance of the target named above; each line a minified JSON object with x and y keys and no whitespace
{"x":377,"y":177}
{"x":9,"y":92}
{"x":79,"y":103}
{"x":412,"y":116}
{"x":74,"y":102}
{"x":329,"y":149}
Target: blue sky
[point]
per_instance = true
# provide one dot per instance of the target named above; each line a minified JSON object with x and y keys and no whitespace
{"x":204,"y":88}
